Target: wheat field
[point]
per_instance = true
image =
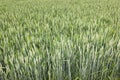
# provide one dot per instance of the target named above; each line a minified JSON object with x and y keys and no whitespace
{"x":59,"y":39}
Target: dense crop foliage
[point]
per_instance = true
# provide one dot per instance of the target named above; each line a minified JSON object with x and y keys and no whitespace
{"x":59,"y":39}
